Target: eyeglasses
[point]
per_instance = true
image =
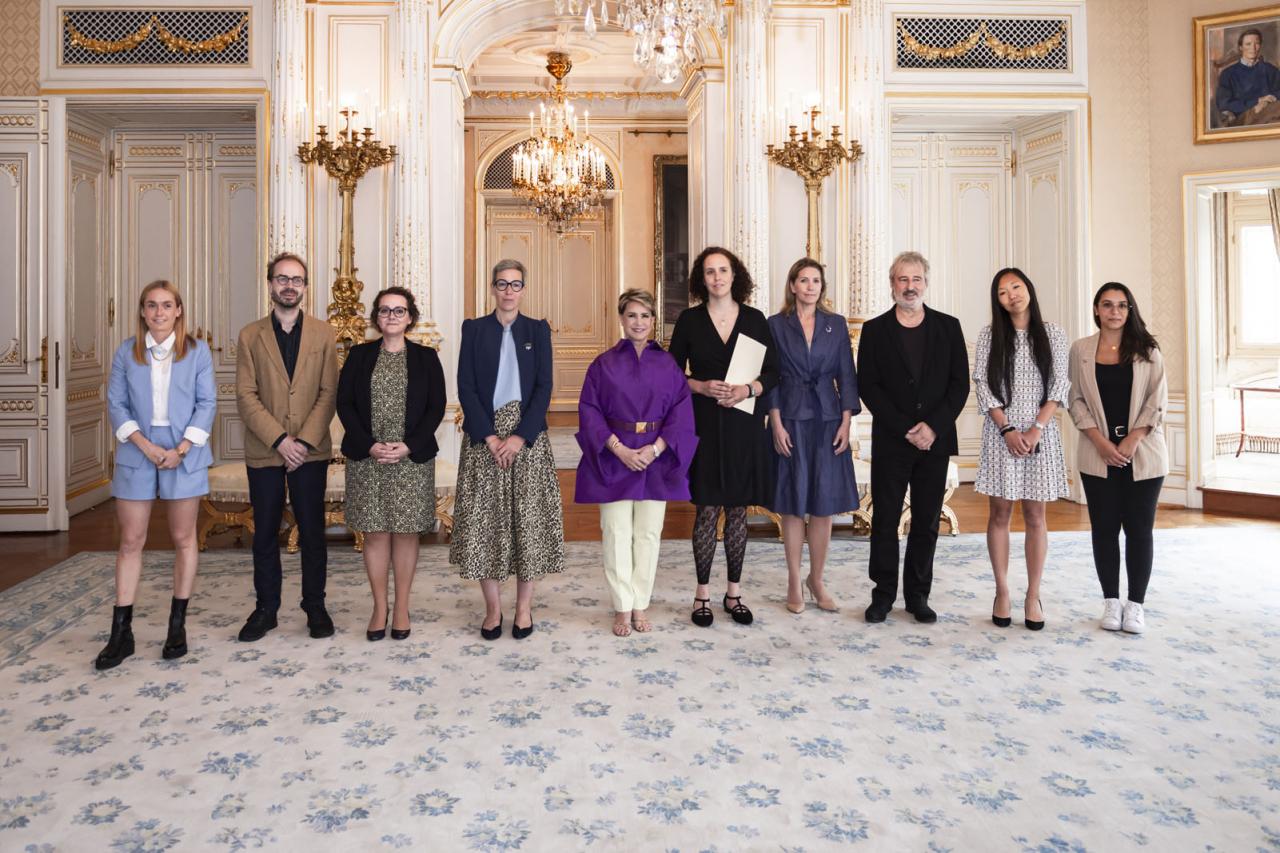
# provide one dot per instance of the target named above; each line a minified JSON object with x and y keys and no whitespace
{"x":399,"y":312}
{"x":516,"y":285}
{"x":291,"y":280}
{"x":1119,"y":306}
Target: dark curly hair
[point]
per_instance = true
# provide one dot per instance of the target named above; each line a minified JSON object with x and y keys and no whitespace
{"x":394,"y":290}
{"x":742,"y":283}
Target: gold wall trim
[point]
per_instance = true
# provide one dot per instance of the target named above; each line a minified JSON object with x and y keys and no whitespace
{"x":1083,"y":96}
{"x":148,"y":90}
{"x":83,"y":394}
{"x":17,"y":121}
{"x":237,"y":150}
{"x":538,"y":94}
{"x":17,"y":405}
{"x":1042,"y":141}
{"x":89,"y":487}
{"x":84,"y":139}
{"x":155,"y":151}
{"x":24,"y":510}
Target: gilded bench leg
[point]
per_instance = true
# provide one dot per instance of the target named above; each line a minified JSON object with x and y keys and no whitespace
{"x":949,"y":514}
{"x":214,"y":520}
{"x":769,"y":514}
{"x":208,"y":518}
{"x":444,"y":512}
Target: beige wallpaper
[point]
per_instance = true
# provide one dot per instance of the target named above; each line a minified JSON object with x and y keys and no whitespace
{"x":637,"y":202}
{"x":20,"y":49}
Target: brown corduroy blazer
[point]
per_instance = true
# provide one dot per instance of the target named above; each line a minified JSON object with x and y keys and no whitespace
{"x":270,"y":404}
{"x":1147,"y":405}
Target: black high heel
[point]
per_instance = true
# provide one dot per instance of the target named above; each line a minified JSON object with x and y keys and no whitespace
{"x":492,"y":633}
{"x":375,"y":636}
{"x":400,"y":633}
{"x":175,"y":645}
{"x":999,"y":621}
{"x":702,"y":615}
{"x":740,"y":612}
{"x":1032,"y":624}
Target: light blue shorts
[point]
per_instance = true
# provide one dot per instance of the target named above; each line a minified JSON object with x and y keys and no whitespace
{"x":146,"y":482}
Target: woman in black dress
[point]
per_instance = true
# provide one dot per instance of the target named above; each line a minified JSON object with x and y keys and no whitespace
{"x":732,"y":468}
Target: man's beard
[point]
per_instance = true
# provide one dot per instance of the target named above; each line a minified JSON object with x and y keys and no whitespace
{"x":281,"y":300}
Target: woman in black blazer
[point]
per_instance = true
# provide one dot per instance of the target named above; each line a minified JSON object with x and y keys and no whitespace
{"x":391,"y":398}
{"x":507,"y":519}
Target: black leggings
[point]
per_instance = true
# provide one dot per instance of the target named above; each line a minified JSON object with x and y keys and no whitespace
{"x":1118,"y":501}
{"x":704,"y":540}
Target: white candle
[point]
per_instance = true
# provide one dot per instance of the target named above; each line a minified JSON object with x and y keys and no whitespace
{"x":586,"y":117}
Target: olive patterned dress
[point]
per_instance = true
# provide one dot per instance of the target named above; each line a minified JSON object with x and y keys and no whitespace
{"x":397,"y":498}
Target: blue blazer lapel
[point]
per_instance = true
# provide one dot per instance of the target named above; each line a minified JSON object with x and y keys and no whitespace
{"x":522,"y":334}
{"x":140,"y":388}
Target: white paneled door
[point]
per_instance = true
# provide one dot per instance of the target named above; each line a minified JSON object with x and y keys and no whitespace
{"x":571,"y":284}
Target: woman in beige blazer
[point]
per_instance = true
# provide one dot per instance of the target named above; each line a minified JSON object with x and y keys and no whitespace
{"x":1118,"y":400}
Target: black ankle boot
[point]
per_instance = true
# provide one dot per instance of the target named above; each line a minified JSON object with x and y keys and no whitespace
{"x":175,"y":646}
{"x":120,"y":646}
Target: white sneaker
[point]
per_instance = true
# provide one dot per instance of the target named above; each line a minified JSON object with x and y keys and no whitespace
{"x":1111,"y":614}
{"x":1134,"y":622}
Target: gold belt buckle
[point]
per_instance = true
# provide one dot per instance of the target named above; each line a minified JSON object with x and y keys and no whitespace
{"x":642,"y":427}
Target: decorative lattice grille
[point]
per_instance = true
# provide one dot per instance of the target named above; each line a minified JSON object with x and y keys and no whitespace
{"x":500,"y":172}
{"x":155,"y":36}
{"x":983,"y":44}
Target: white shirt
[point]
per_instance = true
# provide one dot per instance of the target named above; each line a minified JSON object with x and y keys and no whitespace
{"x":161,"y":370}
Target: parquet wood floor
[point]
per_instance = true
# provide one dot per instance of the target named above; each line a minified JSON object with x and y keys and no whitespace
{"x":28,"y":554}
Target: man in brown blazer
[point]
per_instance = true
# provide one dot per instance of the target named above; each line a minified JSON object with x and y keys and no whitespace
{"x":286,"y":391}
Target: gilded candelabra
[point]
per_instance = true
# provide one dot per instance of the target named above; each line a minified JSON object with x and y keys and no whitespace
{"x":805,"y":154}
{"x":353,"y":155}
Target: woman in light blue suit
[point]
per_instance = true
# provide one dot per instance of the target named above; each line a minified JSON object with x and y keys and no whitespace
{"x":810,"y":413}
{"x":161,"y":399}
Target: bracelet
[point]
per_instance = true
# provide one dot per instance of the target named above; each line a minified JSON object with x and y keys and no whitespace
{"x":1007,"y":428}
{"x":751,"y":390}
{"x":1041,"y":427}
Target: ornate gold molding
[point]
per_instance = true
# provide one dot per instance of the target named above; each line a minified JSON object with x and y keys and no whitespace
{"x":236,"y":150}
{"x":11,"y":355}
{"x":534,"y":95}
{"x":982,"y":35}
{"x":164,"y":188}
{"x":17,"y":405}
{"x":17,"y":121}
{"x":84,"y":138}
{"x":83,"y":394}
{"x":155,"y":151}
{"x":1042,"y":141}
{"x":175,"y":43}
{"x":11,"y":168}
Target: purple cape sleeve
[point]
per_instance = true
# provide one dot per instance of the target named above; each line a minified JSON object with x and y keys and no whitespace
{"x":677,"y":427}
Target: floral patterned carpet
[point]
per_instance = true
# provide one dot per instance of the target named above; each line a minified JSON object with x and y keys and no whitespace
{"x":808,"y":732}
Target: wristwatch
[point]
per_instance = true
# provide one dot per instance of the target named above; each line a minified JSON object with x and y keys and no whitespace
{"x":751,"y":390}
{"x":182,"y":454}
{"x":657,"y":451}
{"x":1041,"y":427}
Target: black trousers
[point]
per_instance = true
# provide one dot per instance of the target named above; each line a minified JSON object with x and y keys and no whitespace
{"x":306,"y":499}
{"x":1118,"y":502}
{"x":892,"y":471}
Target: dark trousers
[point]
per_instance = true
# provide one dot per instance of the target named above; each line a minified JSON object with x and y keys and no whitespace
{"x":892,"y":471}
{"x":1117,"y":502}
{"x":306,"y":499}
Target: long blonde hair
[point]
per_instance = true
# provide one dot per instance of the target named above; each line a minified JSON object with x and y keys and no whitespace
{"x":789,"y":299}
{"x":182,"y":340}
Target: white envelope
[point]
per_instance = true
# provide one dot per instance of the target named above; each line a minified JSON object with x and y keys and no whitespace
{"x":745,"y":366}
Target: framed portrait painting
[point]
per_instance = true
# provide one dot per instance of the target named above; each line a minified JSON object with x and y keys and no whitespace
{"x":1237,"y":75}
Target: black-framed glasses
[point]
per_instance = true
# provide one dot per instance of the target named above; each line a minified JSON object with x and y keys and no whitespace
{"x":399,"y":311}
{"x":516,"y":285}
{"x":290,"y":280}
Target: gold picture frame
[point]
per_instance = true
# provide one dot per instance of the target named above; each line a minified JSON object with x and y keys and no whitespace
{"x":670,"y":240}
{"x":1220,"y":42}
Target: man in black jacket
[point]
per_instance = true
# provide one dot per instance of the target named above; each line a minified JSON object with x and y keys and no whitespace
{"x":913,"y":375}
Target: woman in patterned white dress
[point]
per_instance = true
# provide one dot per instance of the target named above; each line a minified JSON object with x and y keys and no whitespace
{"x":1020,"y":378}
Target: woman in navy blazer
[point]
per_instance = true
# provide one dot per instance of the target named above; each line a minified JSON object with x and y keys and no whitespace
{"x":391,"y":398}
{"x":161,"y":400}
{"x":810,"y":413}
{"x":507,"y":518}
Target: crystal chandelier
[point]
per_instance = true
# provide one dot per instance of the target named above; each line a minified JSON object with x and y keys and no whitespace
{"x":664,"y":29}
{"x":559,"y":171}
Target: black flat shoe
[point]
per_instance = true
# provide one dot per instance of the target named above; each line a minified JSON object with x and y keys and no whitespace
{"x":257,"y":625}
{"x":1000,"y":621}
{"x":740,"y":612}
{"x":877,"y":613}
{"x":492,"y":633}
{"x":924,"y":613}
{"x":319,"y":622}
{"x":702,"y":615}
{"x":1033,"y":625}
{"x":518,"y":632}
{"x":400,"y":633}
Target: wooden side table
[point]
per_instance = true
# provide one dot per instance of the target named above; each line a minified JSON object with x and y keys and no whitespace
{"x":1266,"y":385}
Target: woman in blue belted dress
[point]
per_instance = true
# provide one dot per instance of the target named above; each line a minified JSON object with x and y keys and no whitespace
{"x":810,"y":414}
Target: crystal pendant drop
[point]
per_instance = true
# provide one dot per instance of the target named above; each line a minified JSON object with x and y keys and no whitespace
{"x":589,"y":25}
{"x":604,"y":14}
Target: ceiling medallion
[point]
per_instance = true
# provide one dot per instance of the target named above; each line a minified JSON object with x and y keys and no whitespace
{"x":663,"y":29}
{"x":559,"y":171}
